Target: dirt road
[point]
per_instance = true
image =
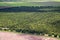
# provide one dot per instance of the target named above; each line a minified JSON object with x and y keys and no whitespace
{"x":13,"y":36}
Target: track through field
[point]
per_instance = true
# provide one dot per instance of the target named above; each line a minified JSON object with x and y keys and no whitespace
{"x":13,"y":36}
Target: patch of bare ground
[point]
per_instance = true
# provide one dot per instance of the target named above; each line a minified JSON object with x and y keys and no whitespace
{"x":15,"y":36}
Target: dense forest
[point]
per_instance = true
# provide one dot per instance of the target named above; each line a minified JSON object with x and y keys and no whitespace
{"x":31,"y":22}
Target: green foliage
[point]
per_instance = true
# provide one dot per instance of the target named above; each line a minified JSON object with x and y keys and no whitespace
{"x":18,"y":4}
{"x":31,"y":22}
{"x":29,"y":4}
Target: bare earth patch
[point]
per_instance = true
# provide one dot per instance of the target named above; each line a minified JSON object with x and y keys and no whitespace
{"x":13,"y":36}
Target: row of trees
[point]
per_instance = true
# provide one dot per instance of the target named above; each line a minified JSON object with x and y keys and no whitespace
{"x":30,"y":9}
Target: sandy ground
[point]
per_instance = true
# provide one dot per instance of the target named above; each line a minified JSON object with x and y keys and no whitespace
{"x":15,"y":36}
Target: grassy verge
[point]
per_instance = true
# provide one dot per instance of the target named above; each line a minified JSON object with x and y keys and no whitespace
{"x":18,"y":4}
{"x":29,"y":3}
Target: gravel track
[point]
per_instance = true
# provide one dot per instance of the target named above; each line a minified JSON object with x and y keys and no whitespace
{"x":15,"y":36}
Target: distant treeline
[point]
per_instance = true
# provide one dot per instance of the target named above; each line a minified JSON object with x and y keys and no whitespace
{"x":31,"y":9}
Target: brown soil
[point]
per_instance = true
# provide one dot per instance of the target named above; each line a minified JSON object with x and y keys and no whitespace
{"x":15,"y":36}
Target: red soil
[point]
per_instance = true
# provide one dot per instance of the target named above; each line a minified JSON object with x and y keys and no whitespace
{"x":13,"y":36}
